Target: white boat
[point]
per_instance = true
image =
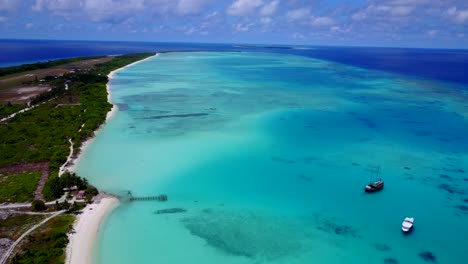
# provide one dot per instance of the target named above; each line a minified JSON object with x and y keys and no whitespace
{"x":407,"y":224}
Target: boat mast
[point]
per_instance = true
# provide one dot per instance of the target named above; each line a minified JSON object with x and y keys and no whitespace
{"x":375,"y":171}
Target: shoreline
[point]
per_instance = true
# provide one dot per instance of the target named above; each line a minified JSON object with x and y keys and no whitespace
{"x":81,"y":244}
{"x":73,"y":164}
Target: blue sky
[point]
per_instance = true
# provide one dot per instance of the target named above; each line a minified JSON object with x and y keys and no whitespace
{"x":401,"y":23}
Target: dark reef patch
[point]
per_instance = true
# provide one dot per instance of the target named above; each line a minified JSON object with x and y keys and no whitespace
{"x":421,"y":133}
{"x":331,"y":226}
{"x":428,"y":256}
{"x":453,"y":170}
{"x":381,"y":247}
{"x":367,"y":122}
{"x":282,"y":160}
{"x":407,"y":168}
{"x":450,"y":189}
{"x":308,"y":160}
{"x":305,"y":178}
{"x":122,"y":107}
{"x":390,"y":261}
{"x":175,"y":116}
{"x":462,"y":207}
{"x":446,"y":177}
{"x":246,"y":233}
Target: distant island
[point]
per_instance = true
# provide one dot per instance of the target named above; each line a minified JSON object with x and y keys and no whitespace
{"x":48,"y":110}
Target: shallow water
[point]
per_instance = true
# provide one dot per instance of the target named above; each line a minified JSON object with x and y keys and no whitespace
{"x":269,"y":155}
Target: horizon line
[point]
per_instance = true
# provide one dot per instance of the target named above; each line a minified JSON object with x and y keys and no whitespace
{"x":236,"y":43}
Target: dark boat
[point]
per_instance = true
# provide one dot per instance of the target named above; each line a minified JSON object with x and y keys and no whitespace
{"x":376,"y":185}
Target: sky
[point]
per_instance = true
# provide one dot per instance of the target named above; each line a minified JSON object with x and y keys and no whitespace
{"x":390,"y":23}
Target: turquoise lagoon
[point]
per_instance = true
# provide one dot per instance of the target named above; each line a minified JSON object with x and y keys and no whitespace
{"x":269,"y":154}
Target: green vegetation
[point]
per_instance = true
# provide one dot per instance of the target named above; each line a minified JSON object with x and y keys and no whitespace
{"x":13,"y":227}
{"x":38,"y":205}
{"x":55,"y":185}
{"x":18,"y":188}
{"x":47,"y":244}
{"x":6,"y":110}
{"x":40,"y":65}
{"x":43,"y":132}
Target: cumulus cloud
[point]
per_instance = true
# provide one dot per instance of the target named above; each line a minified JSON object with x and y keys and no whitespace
{"x":191,"y":7}
{"x":116,"y":11}
{"x":8,"y":5}
{"x":297,"y":35}
{"x":29,"y":25}
{"x":338,"y":29}
{"x":244,"y":7}
{"x":383,"y":11}
{"x":240,"y":27}
{"x":322,"y":21}
{"x":111,"y":11}
{"x":266,"y":20}
{"x":458,"y":16}
{"x":298,"y":14}
{"x":432,"y":33}
{"x":270,"y":8}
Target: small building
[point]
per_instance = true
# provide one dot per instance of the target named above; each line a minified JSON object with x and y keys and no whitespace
{"x":81,"y":194}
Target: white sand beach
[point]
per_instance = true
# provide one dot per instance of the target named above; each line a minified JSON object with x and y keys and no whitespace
{"x":86,"y":228}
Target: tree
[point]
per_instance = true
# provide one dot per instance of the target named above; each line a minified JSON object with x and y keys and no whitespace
{"x":38,"y":205}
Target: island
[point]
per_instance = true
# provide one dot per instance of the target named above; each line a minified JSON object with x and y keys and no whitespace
{"x":48,"y":112}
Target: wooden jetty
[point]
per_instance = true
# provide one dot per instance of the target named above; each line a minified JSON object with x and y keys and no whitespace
{"x":161,"y":198}
{"x":126,"y":196}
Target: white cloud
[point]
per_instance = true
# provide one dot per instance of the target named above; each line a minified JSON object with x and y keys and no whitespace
{"x":266,"y":20}
{"x":244,"y":7}
{"x":458,"y":16}
{"x":337,"y":29}
{"x":361,"y":15}
{"x":298,"y":14}
{"x":191,"y":7}
{"x":395,"y":10}
{"x":270,"y":8}
{"x":116,"y":11}
{"x":29,"y":25}
{"x":409,"y":2}
{"x":58,"y":27}
{"x":3,"y":19}
{"x":432,"y":33}
{"x":57,"y":5}
{"x":391,"y":9}
{"x":242,"y":27}
{"x":211,"y":15}
{"x":8,"y":5}
{"x":298,"y":36}
{"x":109,"y":11}
{"x":322,"y":21}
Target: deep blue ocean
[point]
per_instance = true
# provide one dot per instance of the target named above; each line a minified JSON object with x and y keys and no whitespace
{"x":439,"y":64}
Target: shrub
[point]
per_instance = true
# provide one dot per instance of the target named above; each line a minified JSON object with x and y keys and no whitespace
{"x":38,"y":205}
